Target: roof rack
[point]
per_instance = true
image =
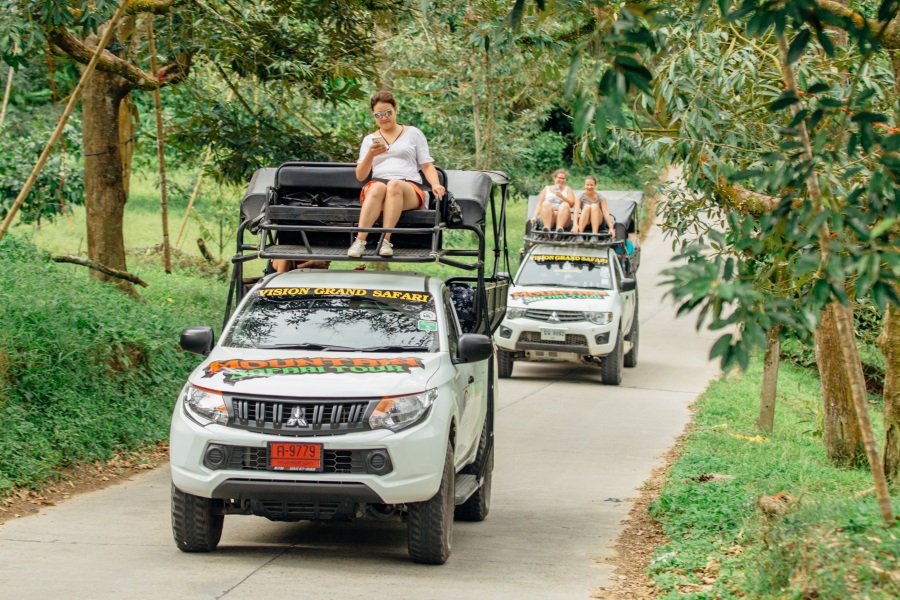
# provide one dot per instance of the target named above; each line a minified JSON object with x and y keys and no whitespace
{"x":567,"y":238}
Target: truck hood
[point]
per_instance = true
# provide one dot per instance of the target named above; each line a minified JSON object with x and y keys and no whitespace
{"x":557,"y":298}
{"x":322,"y":374}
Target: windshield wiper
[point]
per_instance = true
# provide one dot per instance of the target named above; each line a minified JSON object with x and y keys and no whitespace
{"x":393,"y":349}
{"x":308,"y":346}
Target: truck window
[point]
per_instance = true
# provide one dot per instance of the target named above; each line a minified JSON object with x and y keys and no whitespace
{"x":452,"y":324}
{"x":559,"y":270}
{"x":346,"y":323}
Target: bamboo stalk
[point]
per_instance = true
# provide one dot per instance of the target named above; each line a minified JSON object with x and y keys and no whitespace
{"x":70,"y":107}
{"x":6,"y":96}
{"x":196,"y":191}
{"x":161,"y":153}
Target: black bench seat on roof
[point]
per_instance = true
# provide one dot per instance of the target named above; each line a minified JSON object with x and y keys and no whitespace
{"x":311,"y":210}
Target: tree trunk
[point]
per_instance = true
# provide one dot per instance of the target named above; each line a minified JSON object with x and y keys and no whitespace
{"x":104,"y":190}
{"x":127,"y":121}
{"x":889,"y":341}
{"x":842,"y":435}
{"x":850,"y":352}
{"x":766,"y":420}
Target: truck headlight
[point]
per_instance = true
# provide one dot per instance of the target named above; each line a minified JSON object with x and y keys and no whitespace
{"x":599,"y":318}
{"x":515,"y":313}
{"x":400,"y":412}
{"x":204,"y":406}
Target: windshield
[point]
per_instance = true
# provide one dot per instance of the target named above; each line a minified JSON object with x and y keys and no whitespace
{"x":354,"y":320}
{"x":558,"y":270}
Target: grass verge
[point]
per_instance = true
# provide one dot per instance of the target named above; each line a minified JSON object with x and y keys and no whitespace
{"x":768,"y":516}
{"x":85,"y":371}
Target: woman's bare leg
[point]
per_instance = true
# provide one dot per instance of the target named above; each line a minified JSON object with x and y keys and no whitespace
{"x":371,"y":208}
{"x":548,"y":217}
{"x":596,"y":218}
{"x":400,"y":196}
{"x":563,"y":216}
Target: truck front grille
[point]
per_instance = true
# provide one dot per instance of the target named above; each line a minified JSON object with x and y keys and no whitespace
{"x":562,"y":316}
{"x":572,"y":339}
{"x":288,"y":416}
{"x":251,"y":458}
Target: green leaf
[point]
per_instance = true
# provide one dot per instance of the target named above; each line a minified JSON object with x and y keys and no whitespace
{"x":798,"y":46}
{"x":882,"y":227}
{"x":787,"y":99}
{"x":721,"y":346}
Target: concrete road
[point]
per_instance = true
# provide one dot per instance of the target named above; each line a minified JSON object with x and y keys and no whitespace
{"x":570,"y":453}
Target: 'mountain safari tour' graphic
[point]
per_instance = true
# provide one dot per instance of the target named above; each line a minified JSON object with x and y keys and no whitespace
{"x":240,"y":370}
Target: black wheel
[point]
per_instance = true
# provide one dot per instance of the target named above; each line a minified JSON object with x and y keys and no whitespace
{"x":196,"y":522}
{"x":631,"y":358}
{"x":430,"y":523}
{"x":505,"y":361}
{"x":611,"y":369}
{"x":477,"y":507}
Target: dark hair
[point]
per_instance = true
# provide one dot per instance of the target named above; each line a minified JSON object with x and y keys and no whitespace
{"x":591,"y":177}
{"x":382,"y":96}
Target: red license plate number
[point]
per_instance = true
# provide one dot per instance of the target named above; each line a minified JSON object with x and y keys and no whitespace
{"x":295,"y":456}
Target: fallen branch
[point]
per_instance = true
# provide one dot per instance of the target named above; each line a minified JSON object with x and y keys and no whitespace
{"x":205,"y":251}
{"x":84,"y":262}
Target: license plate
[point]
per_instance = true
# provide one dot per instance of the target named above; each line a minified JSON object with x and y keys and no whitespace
{"x":553,"y":335}
{"x":295,"y":456}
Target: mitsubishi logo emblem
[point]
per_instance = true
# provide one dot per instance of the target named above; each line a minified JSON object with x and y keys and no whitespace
{"x":554,"y":317}
{"x":296,"y":419}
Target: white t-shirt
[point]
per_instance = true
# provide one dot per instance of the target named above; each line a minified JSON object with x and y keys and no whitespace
{"x":402,"y":159}
{"x":555,"y":198}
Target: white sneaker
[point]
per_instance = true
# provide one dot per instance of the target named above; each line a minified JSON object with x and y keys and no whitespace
{"x":387,"y":249}
{"x":357,"y":249}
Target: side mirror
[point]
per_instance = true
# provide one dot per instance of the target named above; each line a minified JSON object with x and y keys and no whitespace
{"x":199,"y":340}
{"x":474,"y":347}
{"x":628,"y":285}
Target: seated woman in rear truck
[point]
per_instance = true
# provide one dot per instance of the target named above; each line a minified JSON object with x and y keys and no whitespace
{"x":393,"y":155}
{"x":592,"y":209}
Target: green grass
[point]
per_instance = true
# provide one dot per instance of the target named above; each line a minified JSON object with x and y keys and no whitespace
{"x":84,"y":370}
{"x":142,"y":219}
{"x":831,"y":545}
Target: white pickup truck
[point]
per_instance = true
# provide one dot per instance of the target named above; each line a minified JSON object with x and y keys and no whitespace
{"x":343,"y":394}
{"x":570,"y":302}
{"x":575,"y":298}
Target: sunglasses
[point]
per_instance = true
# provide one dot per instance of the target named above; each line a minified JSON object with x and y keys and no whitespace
{"x":385,"y":113}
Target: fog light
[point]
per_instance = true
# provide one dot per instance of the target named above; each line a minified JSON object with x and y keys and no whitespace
{"x":215,"y":456}
{"x":602,"y":338}
{"x":505,"y":332}
{"x":378,"y":462}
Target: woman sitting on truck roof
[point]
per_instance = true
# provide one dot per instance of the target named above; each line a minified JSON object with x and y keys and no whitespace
{"x":554,"y":207}
{"x":591,"y":208}
{"x":393,"y":155}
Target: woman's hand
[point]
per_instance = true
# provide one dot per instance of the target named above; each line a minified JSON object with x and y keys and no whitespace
{"x":439,"y":190}
{"x":375,"y":150}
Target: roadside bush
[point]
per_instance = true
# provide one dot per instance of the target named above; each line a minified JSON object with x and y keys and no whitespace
{"x":59,"y":183}
{"x":84,"y":370}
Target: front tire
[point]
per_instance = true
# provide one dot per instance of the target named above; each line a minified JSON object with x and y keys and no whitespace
{"x":196,"y":522}
{"x":611,"y":369}
{"x":430,"y":523}
{"x":505,"y":361}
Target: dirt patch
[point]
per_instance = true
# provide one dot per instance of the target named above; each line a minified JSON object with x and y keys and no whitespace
{"x":638,"y":541}
{"x":81,"y":479}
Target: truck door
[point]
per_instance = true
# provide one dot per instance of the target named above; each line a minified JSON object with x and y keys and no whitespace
{"x":471,"y":379}
{"x":627,"y":297}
